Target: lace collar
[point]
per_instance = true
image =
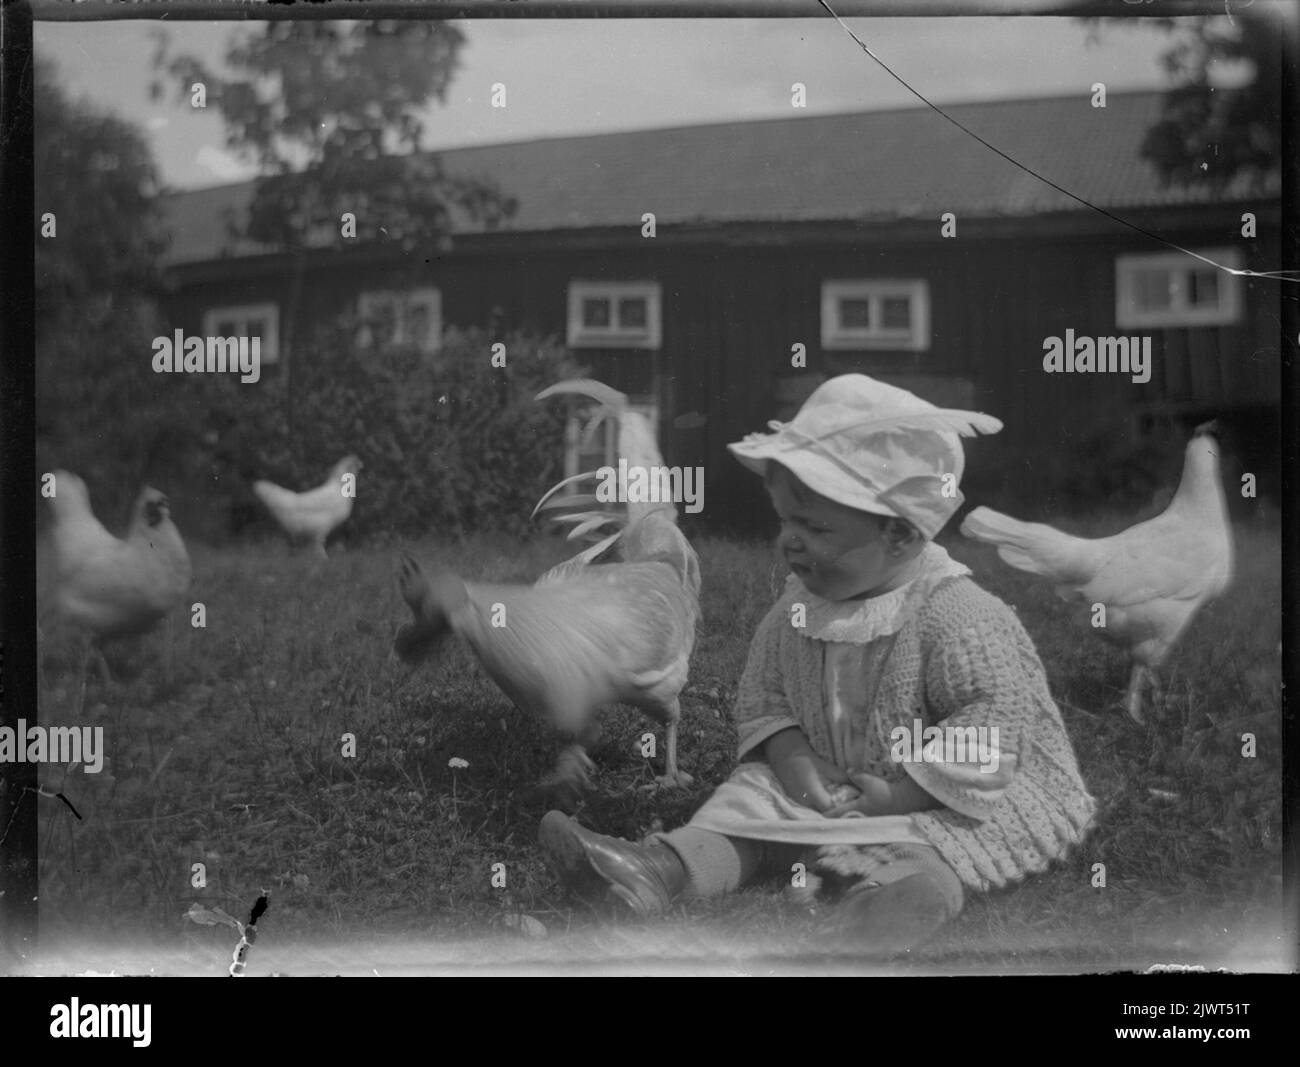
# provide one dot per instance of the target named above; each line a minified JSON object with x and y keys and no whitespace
{"x":858,"y":622}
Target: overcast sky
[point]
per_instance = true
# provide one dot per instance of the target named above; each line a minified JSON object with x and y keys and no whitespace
{"x":593,"y":76}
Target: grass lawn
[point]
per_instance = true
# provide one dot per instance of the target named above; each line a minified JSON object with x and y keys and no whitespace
{"x":224,"y":748}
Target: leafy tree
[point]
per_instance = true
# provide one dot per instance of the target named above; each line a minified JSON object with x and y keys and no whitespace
{"x":1208,"y":135}
{"x":99,"y":235}
{"x":96,"y":173}
{"x":331,"y":113}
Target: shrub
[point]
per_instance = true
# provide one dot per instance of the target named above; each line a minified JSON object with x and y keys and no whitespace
{"x":451,"y":444}
{"x":1098,"y":471}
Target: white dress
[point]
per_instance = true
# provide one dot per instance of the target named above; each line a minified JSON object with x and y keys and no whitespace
{"x":856,"y":638}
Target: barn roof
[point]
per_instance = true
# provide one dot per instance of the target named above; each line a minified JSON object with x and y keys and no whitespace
{"x":881,"y":166}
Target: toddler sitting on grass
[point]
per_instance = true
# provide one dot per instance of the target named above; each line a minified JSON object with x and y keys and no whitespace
{"x":879,"y":635}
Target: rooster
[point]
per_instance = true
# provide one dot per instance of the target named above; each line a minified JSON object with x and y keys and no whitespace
{"x":616,"y":623}
{"x":1152,"y":577}
{"x":110,"y":587}
{"x":313,"y":515}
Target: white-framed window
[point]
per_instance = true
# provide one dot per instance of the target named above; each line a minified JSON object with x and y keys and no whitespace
{"x":1174,"y":289}
{"x":601,"y":450}
{"x":614,"y":315}
{"x":876,"y":313}
{"x":247,"y":320}
{"x":400,"y":317}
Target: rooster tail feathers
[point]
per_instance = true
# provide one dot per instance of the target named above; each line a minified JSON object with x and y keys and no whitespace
{"x":582,"y":511}
{"x":593,"y":553}
{"x":638,"y":442}
{"x":566,"y":501}
{"x":611,"y":402}
{"x":585,"y":523}
{"x":638,"y":448}
{"x":637,"y":439}
{"x":590,"y":388}
{"x":589,"y":522}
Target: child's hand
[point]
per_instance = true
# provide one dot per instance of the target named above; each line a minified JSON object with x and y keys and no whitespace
{"x":804,"y":775}
{"x":878,"y":797}
{"x":875,"y":797}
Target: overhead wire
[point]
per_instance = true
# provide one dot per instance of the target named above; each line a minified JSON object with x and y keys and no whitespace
{"x":1279,"y":275}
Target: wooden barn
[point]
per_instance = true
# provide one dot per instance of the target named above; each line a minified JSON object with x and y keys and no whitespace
{"x":784,"y":251}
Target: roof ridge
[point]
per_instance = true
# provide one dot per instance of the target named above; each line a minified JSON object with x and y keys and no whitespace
{"x":865,"y":167}
{"x":1123,"y":94}
{"x":810,"y":117}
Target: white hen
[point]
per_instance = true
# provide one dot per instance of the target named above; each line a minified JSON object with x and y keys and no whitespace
{"x":614,"y":624}
{"x":313,"y":515}
{"x":112,"y":587}
{"x":1151,"y":578}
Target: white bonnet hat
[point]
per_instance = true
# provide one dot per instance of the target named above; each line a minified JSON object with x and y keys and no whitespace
{"x":874,"y":447}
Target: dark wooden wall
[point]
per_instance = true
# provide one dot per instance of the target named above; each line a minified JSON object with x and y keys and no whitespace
{"x":731,"y":313}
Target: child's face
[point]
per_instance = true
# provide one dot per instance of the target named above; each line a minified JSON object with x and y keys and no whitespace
{"x":836,"y":551}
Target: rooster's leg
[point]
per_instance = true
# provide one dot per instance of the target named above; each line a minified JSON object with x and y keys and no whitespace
{"x":1157,"y":691}
{"x":85,"y":672}
{"x":1133,"y":701}
{"x":93,"y":658}
{"x":169,"y":637}
{"x":570,"y":781}
{"x":672,"y":776}
{"x":571,"y":778}
{"x":104,"y":671}
{"x":574,"y":767}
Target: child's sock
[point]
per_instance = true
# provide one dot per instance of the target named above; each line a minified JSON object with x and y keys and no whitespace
{"x":715,"y":864}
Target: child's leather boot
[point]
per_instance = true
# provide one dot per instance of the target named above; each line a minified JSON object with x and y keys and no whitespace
{"x":904,"y":895}
{"x":640,"y":879}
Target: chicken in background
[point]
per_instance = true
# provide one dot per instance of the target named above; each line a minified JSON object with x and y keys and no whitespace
{"x":614,"y":624}
{"x":1152,"y":577}
{"x":115,"y":587}
{"x":313,"y":515}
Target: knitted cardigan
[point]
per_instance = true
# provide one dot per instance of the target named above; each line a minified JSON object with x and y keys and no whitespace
{"x":961,"y":658}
